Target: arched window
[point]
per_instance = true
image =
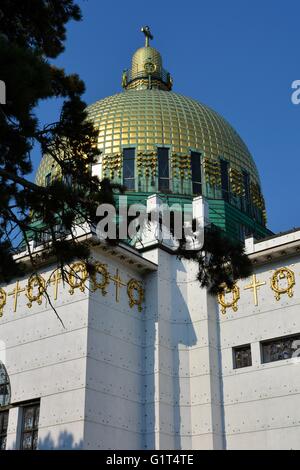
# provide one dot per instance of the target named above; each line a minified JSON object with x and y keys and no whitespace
{"x":4,"y":386}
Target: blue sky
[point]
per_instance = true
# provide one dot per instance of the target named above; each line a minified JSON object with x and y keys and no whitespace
{"x":237,"y":56}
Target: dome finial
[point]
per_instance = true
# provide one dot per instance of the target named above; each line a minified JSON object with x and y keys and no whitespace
{"x":146,"y":70}
{"x":148,"y":35}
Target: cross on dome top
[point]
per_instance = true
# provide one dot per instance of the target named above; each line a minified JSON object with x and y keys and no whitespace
{"x":148,"y":35}
{"x":146,"y":70}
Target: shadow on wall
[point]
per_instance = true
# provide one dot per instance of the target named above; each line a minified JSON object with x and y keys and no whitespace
{"x":165,"y":427}
{"x":65,"y":441}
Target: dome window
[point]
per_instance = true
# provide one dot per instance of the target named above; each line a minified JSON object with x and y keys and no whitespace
{"x":163,"y":169}
{"x":247,"y":200}
{"x":196,"y":173}
{"x":129,"y":168}
{"x":225,"y":180}
{"x":48,"y":179}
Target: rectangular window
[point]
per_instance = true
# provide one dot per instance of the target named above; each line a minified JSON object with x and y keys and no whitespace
{"x":196,"y":173}
{"x":280,"y":348}
{"x":3,"y":429}
{"x":129,"y":168}
{"x":163,"y":169}
{"x":242,"y":356}
{"x":225,"y":180}
{"x":30,"y":424}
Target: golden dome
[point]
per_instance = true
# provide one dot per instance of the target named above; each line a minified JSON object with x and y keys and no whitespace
{"x":142,"y":58}
{"x":147,"y":119}
{"x":147,"y":116}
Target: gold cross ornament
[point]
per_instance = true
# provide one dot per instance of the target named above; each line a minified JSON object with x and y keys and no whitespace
{"x":255,"y":286}
{"x":55,"y":279}
{"x":148,"y":35}
{"x":118,"y":283}
{"x":15,"y":292}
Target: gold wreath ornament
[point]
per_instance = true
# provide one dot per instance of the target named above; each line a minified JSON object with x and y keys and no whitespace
{"x":36,"y":280}
{"x":134,"y":287}
{"x":103,"y":271}
{"x":3,"y":298}
{"x":149,"y":67}
{"x":280,"y":274}
{"x":77,"y":276}
{"x":235,"y":298}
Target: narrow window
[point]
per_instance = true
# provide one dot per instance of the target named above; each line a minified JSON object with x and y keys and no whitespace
{"x":196,"y":173}
{"x":30,"y":426}
{"x":242,"y":356}
{"x":128,"y":168}
{"x":246,"y":181}
{"x":4,"y":386}
{"x":225,"y":180}
{"x":3,"y":429}
{"x":48,"y":179}
{"x":280,"y":348}
{"x":163,"y":169}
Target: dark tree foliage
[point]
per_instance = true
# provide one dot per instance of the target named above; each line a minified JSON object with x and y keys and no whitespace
{"x":221,"y":260}
{"x":31,"y":33}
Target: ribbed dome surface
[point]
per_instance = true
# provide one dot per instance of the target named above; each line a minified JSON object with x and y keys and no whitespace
{"x":143,"y":56}
{"x":150,"y":118}
{"x":146,"y":119}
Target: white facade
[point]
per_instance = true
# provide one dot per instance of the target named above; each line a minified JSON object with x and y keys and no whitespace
{"x":114,"y":377}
